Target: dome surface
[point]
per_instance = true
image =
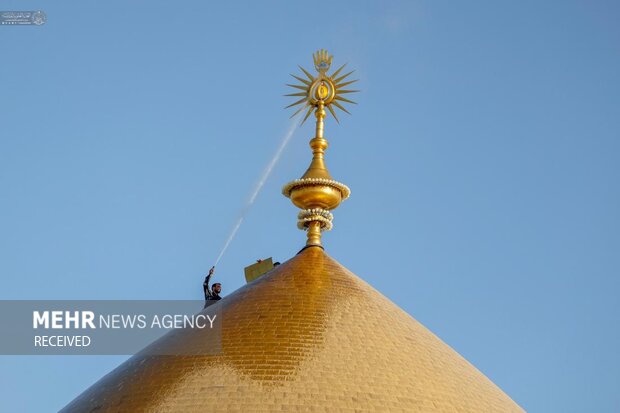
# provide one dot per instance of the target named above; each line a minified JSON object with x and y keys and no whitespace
{"x":309,"y":336}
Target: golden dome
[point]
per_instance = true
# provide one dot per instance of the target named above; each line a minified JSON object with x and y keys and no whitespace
{"x":310,"y":336}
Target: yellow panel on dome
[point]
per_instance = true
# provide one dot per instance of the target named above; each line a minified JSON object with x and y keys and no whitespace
{"x":257,"y":269}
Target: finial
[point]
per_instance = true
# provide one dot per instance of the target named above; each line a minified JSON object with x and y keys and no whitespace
{"x":316,"y":192}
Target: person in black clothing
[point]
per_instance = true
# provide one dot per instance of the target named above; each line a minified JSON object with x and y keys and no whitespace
{"x":216,"y":288}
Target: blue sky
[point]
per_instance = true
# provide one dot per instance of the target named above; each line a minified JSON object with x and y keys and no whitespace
{"x":483,"y":159}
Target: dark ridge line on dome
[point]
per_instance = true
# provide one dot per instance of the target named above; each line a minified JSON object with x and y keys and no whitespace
{"x":310,"y":246}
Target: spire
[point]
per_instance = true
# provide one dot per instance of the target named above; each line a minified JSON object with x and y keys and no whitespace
{"x":316,"y":193}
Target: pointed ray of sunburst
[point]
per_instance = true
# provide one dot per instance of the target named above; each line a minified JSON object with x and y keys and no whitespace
{"x":344,"y":99}
{"x":307,"y":74}
{"x":346,"y":83}
{"x":300,"y":94}
{"x":299,"y":110}
{"x":342,"y":77}
{"x":333,"y":113}
{"x":301,"y":79}
{"x":333,"y":75}
{"x":298,"y":87}
{"x":296,"y":103}
{"x":342,"y":91}
{"x":310,"y":109}
{"x":339,"y":106}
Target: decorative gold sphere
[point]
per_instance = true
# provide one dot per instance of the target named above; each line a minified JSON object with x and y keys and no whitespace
{"x":316,"y":196}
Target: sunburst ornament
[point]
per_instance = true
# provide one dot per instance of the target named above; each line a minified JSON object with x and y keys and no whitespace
{"x":323,"y":90}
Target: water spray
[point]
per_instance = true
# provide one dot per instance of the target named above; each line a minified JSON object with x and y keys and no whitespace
{"x":259,"y":185}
